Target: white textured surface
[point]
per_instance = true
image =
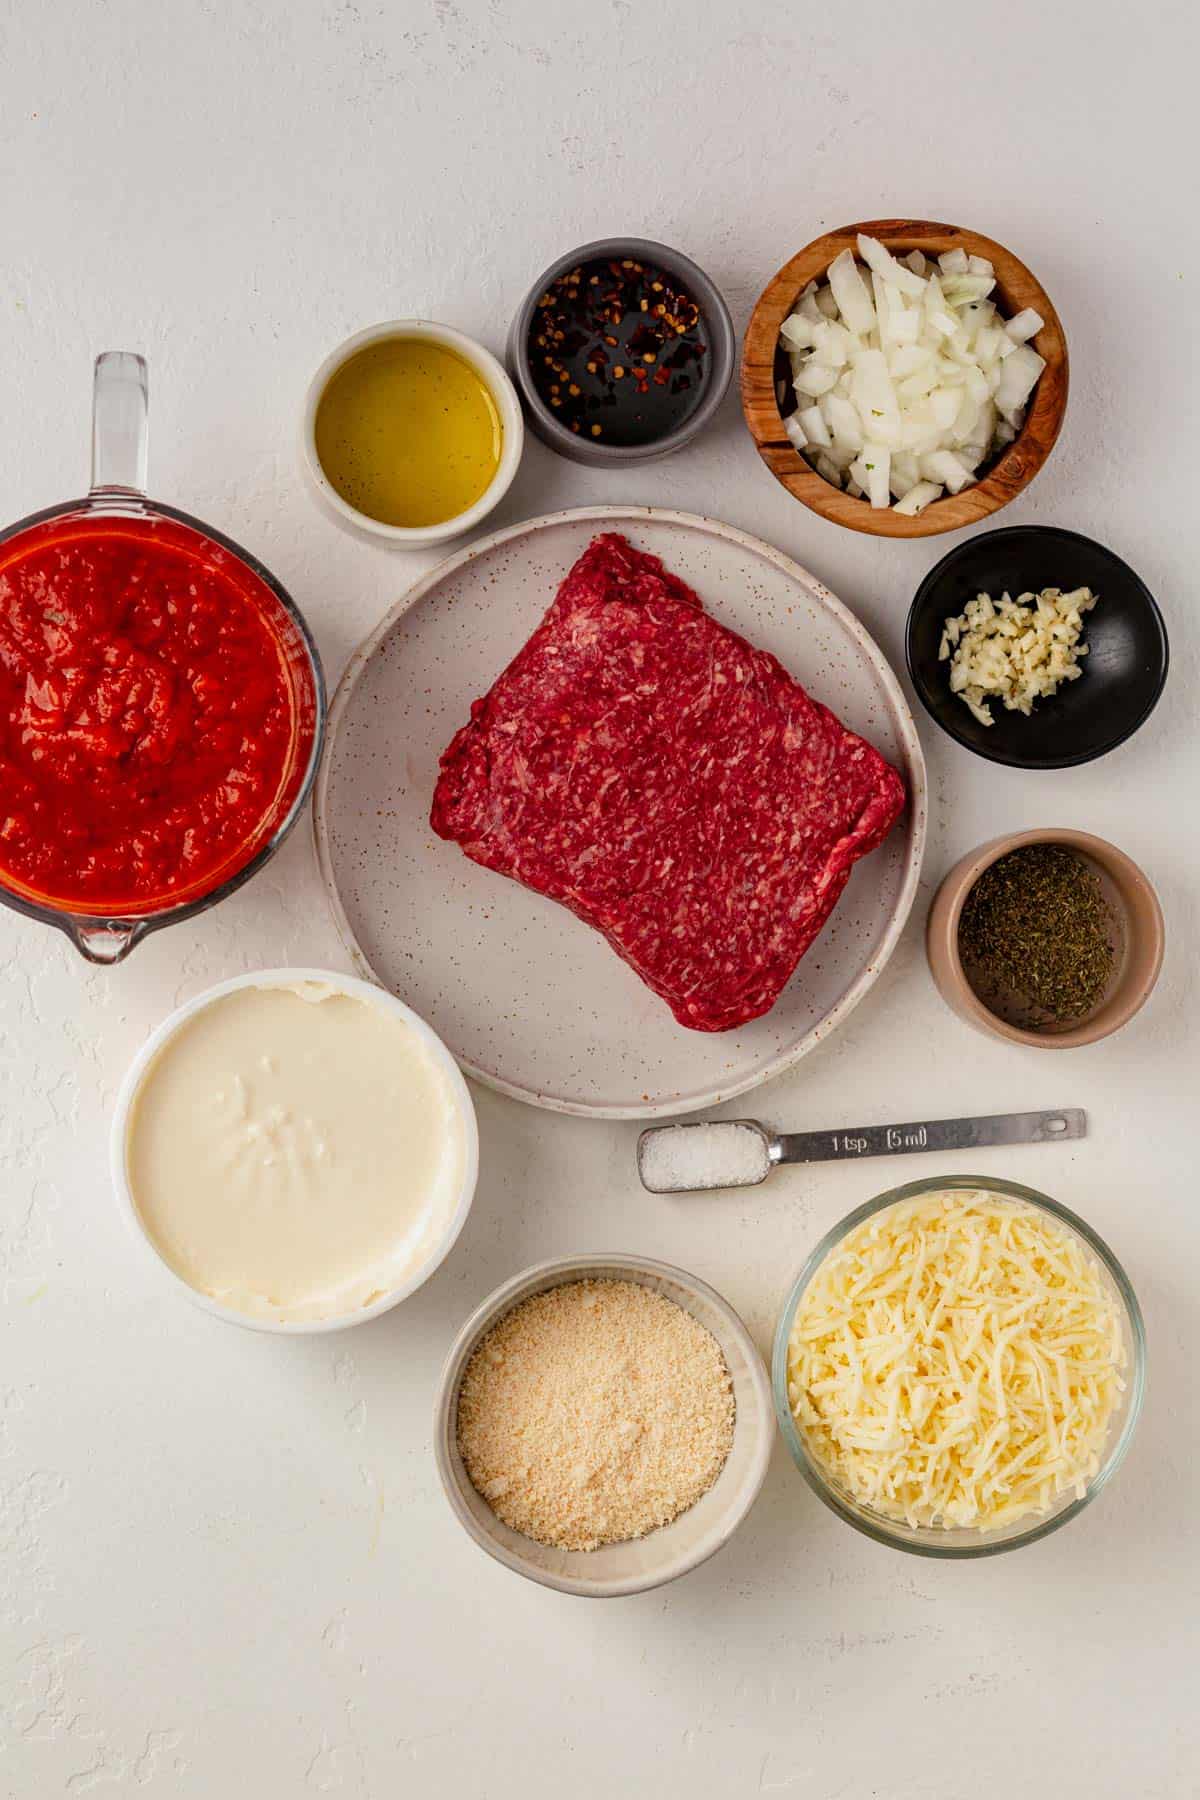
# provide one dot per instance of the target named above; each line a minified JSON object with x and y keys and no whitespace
{"x":225,"y":1564}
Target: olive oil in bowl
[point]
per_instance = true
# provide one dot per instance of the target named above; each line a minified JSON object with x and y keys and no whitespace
{"x":408,"y":432}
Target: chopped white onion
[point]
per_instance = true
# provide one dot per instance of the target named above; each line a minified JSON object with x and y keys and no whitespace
{"x":815,"y":378}
{"x":850,"y":292}
{"x":917,"y":499}
{"x":877,"y":460}
{"x":909,"y":378}
{"x":1017,"y":378}
{"x":872,"y":392}
{"x":832,"y":344}
{"x":885,"y":265}
{"x":1025,"y":325}
{"x":843,"y":421}
{"x":944,"y":466}
{"x":944,"y":403}
{"x":813,"y":425}
{"x":798,"y":332}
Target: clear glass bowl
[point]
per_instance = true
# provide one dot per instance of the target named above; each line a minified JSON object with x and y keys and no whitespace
{"x":957,"y":1541}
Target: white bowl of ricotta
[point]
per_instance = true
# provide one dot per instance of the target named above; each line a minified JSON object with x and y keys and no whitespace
{"x":295,"y":1149}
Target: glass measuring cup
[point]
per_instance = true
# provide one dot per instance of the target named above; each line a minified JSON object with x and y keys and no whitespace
{"x":116,"y":502}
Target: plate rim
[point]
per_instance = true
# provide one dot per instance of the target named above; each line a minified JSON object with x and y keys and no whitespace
{"x":609,"y":514}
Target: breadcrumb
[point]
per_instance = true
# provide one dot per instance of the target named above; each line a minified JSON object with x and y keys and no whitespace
{"x":595,"y":1412}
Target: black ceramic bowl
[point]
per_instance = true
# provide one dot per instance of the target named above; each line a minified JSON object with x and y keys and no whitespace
{"x":719,"y":332}
{"x":1123,"y":672}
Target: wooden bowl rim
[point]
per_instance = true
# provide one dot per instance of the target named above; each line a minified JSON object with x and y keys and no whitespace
{"x":1041,"y":426}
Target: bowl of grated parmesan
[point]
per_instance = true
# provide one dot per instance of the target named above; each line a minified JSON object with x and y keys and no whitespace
{"x":959,"y":1367}
{"x":603,"y":1424}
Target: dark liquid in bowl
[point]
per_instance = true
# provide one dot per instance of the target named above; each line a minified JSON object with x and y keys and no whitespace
{"x":618,"y":352}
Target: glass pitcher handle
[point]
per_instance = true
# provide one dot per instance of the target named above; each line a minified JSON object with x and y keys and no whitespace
{"x":120,"y":424}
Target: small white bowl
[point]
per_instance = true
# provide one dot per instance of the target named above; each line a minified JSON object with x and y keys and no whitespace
{"x":362,"y":990}
{"x":689,"y":1540}
{"x":414,"y":537}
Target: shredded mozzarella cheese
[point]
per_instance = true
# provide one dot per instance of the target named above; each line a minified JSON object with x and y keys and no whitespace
{"x":956,"y":1362}
{"x":1017,"y":651}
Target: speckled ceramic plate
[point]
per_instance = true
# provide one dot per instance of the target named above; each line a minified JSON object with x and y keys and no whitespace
{"x":529,"y":999}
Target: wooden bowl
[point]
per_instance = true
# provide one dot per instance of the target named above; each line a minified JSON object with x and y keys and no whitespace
{"x":1012,"y":470}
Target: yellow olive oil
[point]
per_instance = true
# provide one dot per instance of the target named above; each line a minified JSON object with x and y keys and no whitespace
{"x":408,"y":433}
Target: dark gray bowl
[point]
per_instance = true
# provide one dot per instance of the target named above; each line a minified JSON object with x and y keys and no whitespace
{"x":1123,"y":673}
{"x":722,"y":347}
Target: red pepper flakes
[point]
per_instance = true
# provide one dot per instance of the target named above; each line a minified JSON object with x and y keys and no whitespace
{"x":617,"y":347}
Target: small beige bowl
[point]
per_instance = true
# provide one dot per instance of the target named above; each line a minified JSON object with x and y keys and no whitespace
{"x":494,"y":378}
{"x":1136,"y":914}
{"x":689,"y":1540}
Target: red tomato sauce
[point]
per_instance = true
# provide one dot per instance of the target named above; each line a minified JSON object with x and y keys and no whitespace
{"x":156,"y":714}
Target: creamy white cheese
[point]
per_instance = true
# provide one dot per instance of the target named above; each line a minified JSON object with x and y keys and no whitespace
{"x":295,"y":1152}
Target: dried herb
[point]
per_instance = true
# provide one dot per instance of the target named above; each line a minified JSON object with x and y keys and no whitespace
{"x":617,"y":351}
{"x":1036,"y":932}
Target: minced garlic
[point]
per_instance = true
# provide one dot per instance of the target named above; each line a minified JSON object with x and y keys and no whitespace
{"x":1017,"y":651}
{"x":594,"y":1412}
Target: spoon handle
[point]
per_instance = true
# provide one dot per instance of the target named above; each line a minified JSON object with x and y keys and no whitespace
{"x":930,"y":1134}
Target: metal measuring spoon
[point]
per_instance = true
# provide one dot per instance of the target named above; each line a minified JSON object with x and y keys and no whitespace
{"x":728,"y":1153}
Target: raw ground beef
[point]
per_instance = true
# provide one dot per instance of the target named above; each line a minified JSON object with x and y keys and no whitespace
{"x":670,"y":784}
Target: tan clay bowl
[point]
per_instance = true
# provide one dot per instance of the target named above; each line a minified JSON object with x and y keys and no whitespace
{"x":1003,"y":479}
{"x":1136,"y":911}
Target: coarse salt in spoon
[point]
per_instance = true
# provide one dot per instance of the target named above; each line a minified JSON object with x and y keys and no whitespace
{"x":730,"y":1153}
